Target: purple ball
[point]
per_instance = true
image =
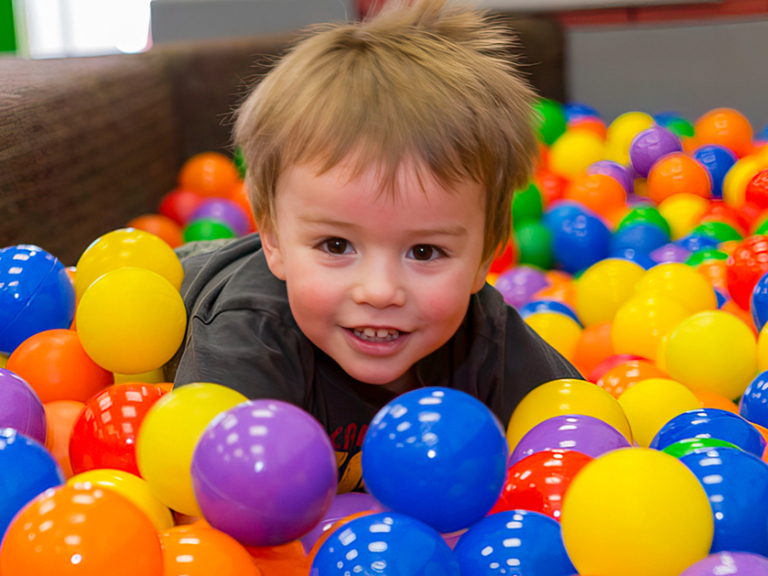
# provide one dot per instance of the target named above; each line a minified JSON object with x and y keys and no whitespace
{"x":584,"y":434}
{"x":20,"y":407}
{"x":342,"y":506}
{"x":264,"y":472}
{"x":670,"y":253}
{"x":649,"y":146}
{"x":731,"y":563}
{"x":519,"y":284}
{"x":615,"y":171}
{"x":225,"y":211}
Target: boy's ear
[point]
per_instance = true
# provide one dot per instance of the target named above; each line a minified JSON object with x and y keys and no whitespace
{"x":271,"y":247}
{"x":482,"y":273}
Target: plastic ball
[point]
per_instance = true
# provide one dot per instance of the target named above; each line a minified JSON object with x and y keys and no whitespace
{"x":593,"y":347}
{"x":754,"y":402}
{"x":622,"y":131}
{"x":757,"y":190}
{"x":61,"y":416}
{"x":693,"y":242}
{"x":239,"y":195}
{"x":669,"y":253}
{"x":630,"y":254}
{"x":20,"y":408}
{"x":738,"y":177}
{"x":681,"y":128}
{"x":104,"y":435}
{"x":615,"y":171}
{"x":705,"y":255}
{"x":168,"y":436}
{"x":207,"y":229}
{"x":549,"y":120}
{"x":558,"y":330}
{"x":161,"y":226}
{"x":519,"y":284}
{"x":680,"y":283}
{"x":717,"y":160}
{"x":604,"y":287}
{"x":635,"y":512}
{"x":643,"y":321}
{"x":758,"y":303}
{"x":503,"y":259}
{"x":737,"y":218}
{"x":526,"y":205}
{"x":36,"y":294}
{"x":131,"y":321}
{"x":548,"y":306}
{"x":286,"y":560}
{"x":683,"y":212}
{"x":534,"y":241}
{"x":691,"y":445}
{"x":209,"y":174}
{"x":645,"y":215}
{"x":225,"y":211}
{"x":741,"y":563}
{"x":537,"y":546}
{"x":649,"y":146}
{"x":26,"y":470}
{"x":551,"y":186}
{"x":600,"y":193}
{"x":644,"y":238}
{"x":711,"y":400}
{"x":574,"y":151}
{"x":677,"y":173}
{"x":714,"y":271}
{"x":200,"y":551}
{"x":711,"y":423}
{"x":719,"y":231}
{"x":565,"y":397}
{"x":388,"y":543}
{"x":127,"y":248}
{"x":592,"y":125}
{"x":652,"y":403}
{"x":179,"y":204}
{"x":131,"y":487}
{"x":57,"y":367}
{"x":580,"y":241}
{"x":625,"y":375}
{"x":737,"y":486}
{"x":574,"y":111}
{"x":584,"y":434}
{"x":81,"y":531}
{"x":725,"y":127}
{"x":342,"y":506}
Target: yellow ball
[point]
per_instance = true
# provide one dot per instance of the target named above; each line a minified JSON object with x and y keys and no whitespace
{"x":642,"y":322}
{"x":622,"y":131}
{"x":131,"y":321}
{"x":152,"y":377}
{"x":762,"y":350}
{"x":714,"y":352}
{"x":681,"y":283}
{"x":683,"y":212}
{"x":604,"y":287}
{"x":133,"y":488}
{"x":737,"y":178}
{"x":169,"y":434}
{"x":651,"y":403}
{"x":558,"y":330}
{"x":127,"y":248}
{"x":636,"y":512}
{"x":3,"y":360}
{"x":574,"y":151}
{"x":561,"y":397}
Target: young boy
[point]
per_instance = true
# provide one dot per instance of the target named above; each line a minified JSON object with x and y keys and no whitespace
{"x":382,"y":158}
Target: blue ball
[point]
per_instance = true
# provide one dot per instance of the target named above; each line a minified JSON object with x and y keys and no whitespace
{"x":762,"y":136}
{"x":539,"y":306}
{"x":717,"y":160}
{"x":664,"y":118}
{"x":633,"y":255}
{"x":711,"y":423}
{"x":385,"y":543}
{"x":758,"y":303}
{"x":693,"y":242}
{"x":36,"y":294}
{"x":520,"y":542}
{"x":574,"y":111}
{"x":438,"y":455}
{"x":561,"y":211}
{"x":579,"y":239}
{"x":26,"y":470}
{"x":644,"y":238}
{"x":736,"y":484}
{"x":754,"y":402}
{"x":722,"y":299}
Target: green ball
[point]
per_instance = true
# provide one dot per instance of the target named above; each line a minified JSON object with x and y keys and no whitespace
{"x":680,"y":127}
{"x":549,"y":120}
{"x":719,"y":231}
{"x":763,"y":228}
{"x":240,"y":162}
{"x":690,"y":445}
{"x":705,"y":255}
{"x":207,"y":229}
{"x":535,"y":243}
{"x":645,"y":215}
{"x":527,"y":206}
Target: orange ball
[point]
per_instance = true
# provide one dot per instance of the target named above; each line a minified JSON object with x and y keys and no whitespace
{"x":81,"y":530}
{"x":61,"y":416}
{"x":677,"y":173}
{"x":209,"y":174}
{"x":56,"y":366}
{"x":594,"y":125}
{"x":598,"y":192}
{"x":161,"y":226}
{"x":714,"y":271}
{"x":328,"y":533}
{"x":726,"y":127}
{"x":286,"y":560}
{"x":593,"y":347}
{"x":239,"y":195}
{"x":712,"y":400}
{"x":621,"y":378}
{"x":198,"y":551}
{"x":740,"y":313}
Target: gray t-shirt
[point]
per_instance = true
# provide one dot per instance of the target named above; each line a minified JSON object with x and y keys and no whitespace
{"x":241,"y":334}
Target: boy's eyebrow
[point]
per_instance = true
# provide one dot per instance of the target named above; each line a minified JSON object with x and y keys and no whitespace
{"x":439,"y":231}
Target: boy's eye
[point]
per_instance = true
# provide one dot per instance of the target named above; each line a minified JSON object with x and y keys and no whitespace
{"x":337,"y":246}
{"x":424,"y":253}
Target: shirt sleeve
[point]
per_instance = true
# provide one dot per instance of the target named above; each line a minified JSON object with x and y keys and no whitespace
{"x":252,"y":352}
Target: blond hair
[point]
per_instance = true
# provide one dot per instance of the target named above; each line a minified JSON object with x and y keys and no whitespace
{"x":432,"y":81}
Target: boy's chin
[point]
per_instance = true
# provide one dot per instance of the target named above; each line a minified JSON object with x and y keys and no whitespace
{"x":374,"y":376}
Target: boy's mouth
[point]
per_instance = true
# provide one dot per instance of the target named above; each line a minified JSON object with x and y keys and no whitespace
{"x":370,"y":334}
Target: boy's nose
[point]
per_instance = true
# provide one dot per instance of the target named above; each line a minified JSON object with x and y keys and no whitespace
{"x":379,"y":286}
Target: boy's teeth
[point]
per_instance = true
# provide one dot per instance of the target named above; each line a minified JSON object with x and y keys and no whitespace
{"x":376,"y":335}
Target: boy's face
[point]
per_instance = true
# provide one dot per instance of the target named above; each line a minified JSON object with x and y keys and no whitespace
{"x":376,"y":280}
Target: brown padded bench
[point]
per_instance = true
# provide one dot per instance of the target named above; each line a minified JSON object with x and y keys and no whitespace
{"x":87,"y":144}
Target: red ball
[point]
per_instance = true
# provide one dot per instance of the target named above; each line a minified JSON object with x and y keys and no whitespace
{"x":538,"y":482}
{"x":104,"y":435}
{"x":757,"y":190}
{"x":609,"y":364}
{"x":745,"y":267}
{"x":551,"y":185}
{"x":503,"y":260}
{"x":179,"y":204}
{"x":719,"y":211}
